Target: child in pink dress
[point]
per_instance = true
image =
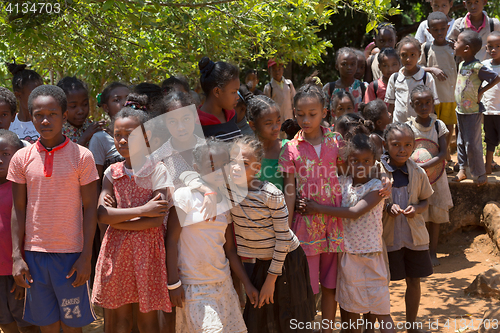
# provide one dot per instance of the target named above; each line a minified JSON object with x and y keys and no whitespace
{"x":131,"y":270}
{"x":311,"y":159}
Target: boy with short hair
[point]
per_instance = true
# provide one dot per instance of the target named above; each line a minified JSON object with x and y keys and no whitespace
{"x":477,"y":20}
{"x":468,"y":94}
{"x":423,"y":34}
{"x":280,"y":90}
{"x":385,"y":37}
{"x":491,"y":101}
{"x":11,"y":296}
{"x":52,"y":179}
{"x":438,"y":58}
{"x":8,"y":108}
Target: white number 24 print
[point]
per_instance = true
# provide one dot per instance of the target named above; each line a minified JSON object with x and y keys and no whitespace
{"x":68,"y":314}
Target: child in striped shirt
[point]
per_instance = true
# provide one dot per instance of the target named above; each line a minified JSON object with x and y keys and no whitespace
{"x":261,"y":226}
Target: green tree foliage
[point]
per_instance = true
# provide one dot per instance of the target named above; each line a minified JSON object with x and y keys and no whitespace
{"x":138,"y":40}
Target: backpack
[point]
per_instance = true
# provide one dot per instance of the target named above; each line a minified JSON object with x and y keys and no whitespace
{"x":395,"y":77}
{"x":435,"y":124}
{"x":375,"y":83}
{"x":271,"y":88}
{"x":491,"y":23}
{"x":331,"y":88}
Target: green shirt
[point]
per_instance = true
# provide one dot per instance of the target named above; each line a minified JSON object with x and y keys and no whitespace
{"x":269,"y":170}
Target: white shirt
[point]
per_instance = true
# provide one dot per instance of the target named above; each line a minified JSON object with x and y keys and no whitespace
{"x":201,"y":256}
{"x":25,"y":130}
{"x":399,"y":93}
{"x":491,"y":98}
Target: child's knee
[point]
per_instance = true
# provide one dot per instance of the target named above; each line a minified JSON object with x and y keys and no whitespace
{"x":413,"y":282}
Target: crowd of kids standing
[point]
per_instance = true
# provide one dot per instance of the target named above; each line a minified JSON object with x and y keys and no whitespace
{"x":285,"y":193}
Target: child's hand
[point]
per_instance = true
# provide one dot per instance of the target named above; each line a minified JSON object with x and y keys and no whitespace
{"x":96,"y":126}
{"x":386,"y":189}
{"x":109,"y":201}
{"x":266,"y":294}
{"x":410,"y":211}
{"x":438,"y":73}
{"x":82,"y":268}
{"x":309,"y":207}
{"x":209,"y":207}
{"x":156,"y":207}
{"x":480,"y":95}
{"x":252,"y":294}
{"x":177,"y":296}
{"x":19,"y":292}
{"x":21,"y":273}
{"x":395,"y":210}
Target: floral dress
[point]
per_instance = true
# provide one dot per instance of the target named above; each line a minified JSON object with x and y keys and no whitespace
{"x":131,"y":265}
{"x":317,"y":180}
{"x":356,"y":90}
{"x":74,"y":133}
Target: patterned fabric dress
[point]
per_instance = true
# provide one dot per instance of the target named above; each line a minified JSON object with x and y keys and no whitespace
{"x":131,"y":265}
{"x":317,"y":180}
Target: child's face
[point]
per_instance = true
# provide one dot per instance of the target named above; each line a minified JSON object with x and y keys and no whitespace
{"x":277,"y":72}
{"x":268,"y":125}
{"x":228,"y":95}
{"x":48,"y":117}
{"x":423,"y":103}
{"x":399,"y":146}
{"x":438,"y":29}
{"x":6,"y":116}
{"x":461,"y":48}
{"x":244,"y":165}
{"x":344,"y":106}
{"x":475,"y":7}
{"x":389,"y":66}
{"x":252,"y":81}
{"x":309,"y":113}
{"x":361,"y":163}
{"x":121,"y":132}
{"x":347,"y":65}
{"x":78,"y":107}
{"x":360,"y":70}
{"x":211,"y":168}
{"x":409,"y":55}
{"x":442,"y":6}
{"x":493,"y":47}
{"x":384,"y":120}
{"x":180,"y":124}
{"x":116,"y":101}
{"x":6,"y":153}
{"x":386,"y":38}
{"x":23,"y":95}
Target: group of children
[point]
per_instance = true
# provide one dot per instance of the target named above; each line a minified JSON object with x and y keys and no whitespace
{"x":340,"y":205}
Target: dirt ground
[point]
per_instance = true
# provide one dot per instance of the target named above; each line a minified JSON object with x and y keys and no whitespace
{"x":462,"y":257}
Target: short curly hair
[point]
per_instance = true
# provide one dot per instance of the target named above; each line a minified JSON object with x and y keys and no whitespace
{"x":9,"y":98}
{"x":48,"y":90}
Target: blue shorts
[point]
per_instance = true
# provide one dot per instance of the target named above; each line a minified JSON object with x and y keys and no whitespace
{"x":51,"y":297}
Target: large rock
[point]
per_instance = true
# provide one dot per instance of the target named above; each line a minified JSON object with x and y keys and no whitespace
{"x":491,"y":220}
{"x":469,"y":201}
{"x":491,"y":321}
{"x":486,"y":284}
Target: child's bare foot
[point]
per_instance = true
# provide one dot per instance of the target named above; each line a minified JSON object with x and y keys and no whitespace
{"x":435,"y":260}
{"x":461,"y":175}
{"x":482,"y":180}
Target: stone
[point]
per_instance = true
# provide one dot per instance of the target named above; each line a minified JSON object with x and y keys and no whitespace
{"x":491,"y":321}
{"x":486,"y":284}
{"x":491,"y":221}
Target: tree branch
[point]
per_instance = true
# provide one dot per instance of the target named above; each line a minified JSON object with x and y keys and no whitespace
{"x":173,"y":4}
